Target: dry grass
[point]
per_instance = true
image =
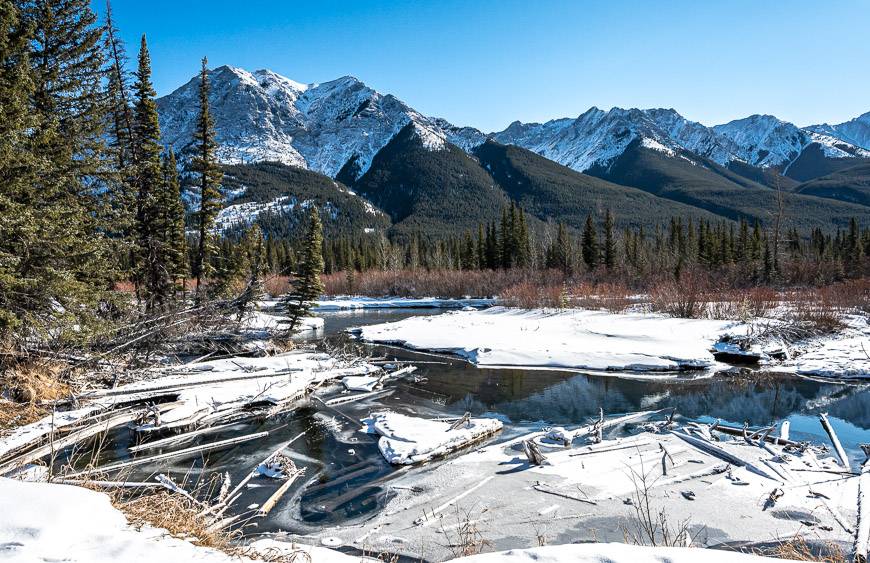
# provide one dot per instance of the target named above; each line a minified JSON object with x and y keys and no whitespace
{"x":178,"y":515}
{"x":26,"y":387}
{"x":798,"y":549}
{"x":183,"y":519}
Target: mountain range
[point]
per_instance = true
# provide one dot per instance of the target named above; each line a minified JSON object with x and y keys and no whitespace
{"x":429,"y":175}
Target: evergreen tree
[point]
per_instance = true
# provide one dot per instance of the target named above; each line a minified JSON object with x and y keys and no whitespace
{"x":589,"y":244}
{"x":609,"y":242}
{"x":120,"y":178}
{"x":52,"y":254}
{"x":481,"y":247}
{"x":468,"y":253}
{"x":253,"y":264}
{"x":560,"y":253}
{"x":307,"y":285}
{"x":153,"y":274}
{"x":19,"y":218}
{"x":206,"y":166}
{"x":172,"y":207}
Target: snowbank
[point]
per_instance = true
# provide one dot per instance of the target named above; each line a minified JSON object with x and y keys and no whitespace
{"x":350,"y":303}
{"x":612,"y":553}
{"x":48,"y":522}
{"x":406,"y":440}
{"x":572,"y":339}
{"x":844,"y":355}
{"x":258,"y":321}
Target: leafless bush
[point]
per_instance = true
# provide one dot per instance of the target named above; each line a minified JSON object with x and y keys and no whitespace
{"x":530,"y":295}
{"x":464,"y":537}
{"x":277,"y":285}
{"x":684,"y":298}
{"x":652,"y":526}
{"x":814,"y":311}
{"x":613,"y":297}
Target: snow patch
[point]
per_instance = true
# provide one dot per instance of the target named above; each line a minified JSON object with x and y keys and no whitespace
{"x":570,"y":339}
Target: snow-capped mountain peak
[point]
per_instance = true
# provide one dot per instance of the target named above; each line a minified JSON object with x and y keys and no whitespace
{"x":855,"y":131}
{"x":263,"y":116}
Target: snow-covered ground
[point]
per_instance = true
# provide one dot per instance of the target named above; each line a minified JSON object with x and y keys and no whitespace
{"x":596,"y":340}
{"x":613,"y":553}
{"x":845,"y":355}
{"x":727,"y":491}
{"x":49,"y":522}
{"x":265,"y":323}
{"x":53,"y":522}
{"x":568,"y":339}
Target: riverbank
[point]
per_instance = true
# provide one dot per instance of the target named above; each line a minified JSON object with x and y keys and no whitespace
{"x":583,"y":339}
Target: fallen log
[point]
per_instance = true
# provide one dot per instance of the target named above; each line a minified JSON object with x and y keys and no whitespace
{"x":108,"y":484}
{"x":544,"y":488}
{"x":220,"y":508}
{"x":733,"y":431}
{"x":838,"y":448}
{"x":68,"y":440}
{"x":169,"y":455}
{"x":589,"y":450}
{"x":862,"y":530}
{"x":179,"y":438}
{"x":180,"y":385}
{"x":282,"y":490}
{"x":716,"y":451}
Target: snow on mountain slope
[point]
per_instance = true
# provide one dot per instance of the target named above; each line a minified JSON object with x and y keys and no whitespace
{"x":263,"y":116}
{"x":339,"y":126}
{"x":834,"y":147}
{"x":764,"y":140}
{"x":597,"y":137}
{"x":855,"y":131}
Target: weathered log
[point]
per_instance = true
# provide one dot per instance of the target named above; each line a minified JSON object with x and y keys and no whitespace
{"x":282,"y":490}
{"x":838,"y":448}
{"x":544,"y":488}
{"x":862,"y":530}
{"x":179,"y":438}
{"x":68,"y":440}
{"x":169,"y":455}
{"x":716,"y":451}
{"x":533,"y":454}
{"x":733,"y":431}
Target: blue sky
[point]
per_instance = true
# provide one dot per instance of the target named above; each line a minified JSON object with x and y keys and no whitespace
{"x":486,"y":63}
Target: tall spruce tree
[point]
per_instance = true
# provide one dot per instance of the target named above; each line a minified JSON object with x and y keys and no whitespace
{"x":307,"y":285}
{"x":19,"y":219}
{"x":589,"y":244}
{"x":609,"y":242}
{"x":172,"y":210}
{"x":205,"y":164}
{"x":52,"y":253}
{"x":120,"y":178}
{"x":152,"y":271}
